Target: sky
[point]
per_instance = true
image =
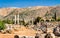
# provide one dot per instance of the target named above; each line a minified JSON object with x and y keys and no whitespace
{"x":28,"y":3}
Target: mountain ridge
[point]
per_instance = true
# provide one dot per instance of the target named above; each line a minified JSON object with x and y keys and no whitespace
{"x":31,"y":12}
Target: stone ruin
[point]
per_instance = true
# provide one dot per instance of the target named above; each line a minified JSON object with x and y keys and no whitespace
{"x":49,"y":30}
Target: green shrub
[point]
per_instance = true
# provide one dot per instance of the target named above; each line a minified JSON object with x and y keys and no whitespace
{"x":37,"y":20}
{"x":41,"y":20}
{"x":58,"y":19}
{"x":8,"y":21}
{"x":2,"y":25}
{"x":22,"y":22}
{"x":52,"y":19}
{"x":47,"y":20}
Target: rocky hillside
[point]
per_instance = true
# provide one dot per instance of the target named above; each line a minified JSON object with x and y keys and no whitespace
{"x":31,"y":12}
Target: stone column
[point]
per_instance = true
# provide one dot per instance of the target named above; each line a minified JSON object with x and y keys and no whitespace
{"x":15,"y":19}
{"x":18,"y":18}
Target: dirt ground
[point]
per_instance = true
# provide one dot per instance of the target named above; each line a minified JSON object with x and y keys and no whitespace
{"x":6,"y":35}
{"x":22,"y":32}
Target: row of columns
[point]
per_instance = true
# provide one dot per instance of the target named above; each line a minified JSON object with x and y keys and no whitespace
{"x":16,"y":19}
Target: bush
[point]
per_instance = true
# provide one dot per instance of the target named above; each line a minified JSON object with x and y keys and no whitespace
{"x":52,"y":19}
{"x":47,"y":20}
{"x":2,"y":25}
{"x":58,"y":19}
{"x":41,"y":20}
{"x":37,"y":20}
{"x":8,"y":21}
{"x":22,"y":22}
